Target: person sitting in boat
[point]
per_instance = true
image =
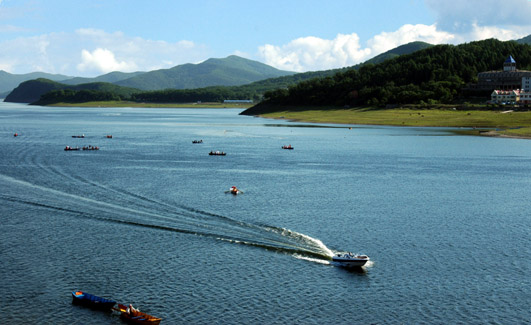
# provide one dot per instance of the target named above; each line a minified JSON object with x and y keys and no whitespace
{"x":131,"y":309}
{"x":234,"y":190}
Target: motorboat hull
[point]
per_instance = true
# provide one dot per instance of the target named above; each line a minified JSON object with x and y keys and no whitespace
{"x":351,"y":261}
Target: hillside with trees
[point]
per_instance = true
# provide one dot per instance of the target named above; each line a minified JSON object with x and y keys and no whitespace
{"x":9,"y":81}
{"x":255,"y":91}
{"x":434,"y":75}
{"x":44,"y":91}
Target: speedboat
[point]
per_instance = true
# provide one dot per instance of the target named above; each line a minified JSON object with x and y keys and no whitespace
{"x":350,"y":260}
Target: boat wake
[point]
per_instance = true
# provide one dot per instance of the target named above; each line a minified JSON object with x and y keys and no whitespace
{"x":131,"y":209}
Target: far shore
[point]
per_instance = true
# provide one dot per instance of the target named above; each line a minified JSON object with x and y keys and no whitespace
{"x":510,"y":124}
{"x":474,"y":122}
{"x":153,"y":105}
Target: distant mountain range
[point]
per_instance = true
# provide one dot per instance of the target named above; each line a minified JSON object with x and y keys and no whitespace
{"x":230,"y":71}
{"x":111,"y":77}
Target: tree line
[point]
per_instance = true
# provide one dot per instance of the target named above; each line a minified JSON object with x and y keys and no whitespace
{"x":439,"y":74}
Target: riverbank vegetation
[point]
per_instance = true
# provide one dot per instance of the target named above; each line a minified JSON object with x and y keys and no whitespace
{"x":435,"y":75}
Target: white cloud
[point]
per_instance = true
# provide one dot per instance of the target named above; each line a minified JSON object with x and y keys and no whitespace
{"x":408,"y":33}
{"x":313,"y":53}
{"x":477,"y":33}
{"x":458,"y":16}
{"x":90,"y":52}
{"x":103,"y":61}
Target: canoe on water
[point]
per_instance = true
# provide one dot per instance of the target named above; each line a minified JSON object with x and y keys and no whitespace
{"x":86,"y":299}
{"x":137,"y":317}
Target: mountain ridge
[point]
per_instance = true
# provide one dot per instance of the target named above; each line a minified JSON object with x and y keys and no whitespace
{"x":230,"y":71}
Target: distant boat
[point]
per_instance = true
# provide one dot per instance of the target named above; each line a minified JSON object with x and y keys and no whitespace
{"x":289,"y":147}
{"x":86,"y":299}
{"x":78,"y":136}
{"x":234,"y":191}
{"x":68,"y":148}
{"x":197,"y":141}
{"x":16,"y":134}
{"x":217,"y":153}
{"x":109,"y":136}
{"x":350,"y":260}
{"x":137,"y":317}
{"x":91,"y":148}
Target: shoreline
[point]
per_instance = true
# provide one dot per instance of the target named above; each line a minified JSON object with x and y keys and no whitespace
{"x":514,"y":125}
{"x":151,"y":105}
{"x":506,"y":124}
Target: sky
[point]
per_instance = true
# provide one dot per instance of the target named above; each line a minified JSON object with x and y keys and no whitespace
{"x":88,"y":38}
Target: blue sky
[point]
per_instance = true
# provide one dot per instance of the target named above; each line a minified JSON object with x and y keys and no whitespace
{"x":93,"y":37}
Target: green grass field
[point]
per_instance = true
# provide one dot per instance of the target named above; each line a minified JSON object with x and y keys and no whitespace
{"x":517,"y":124}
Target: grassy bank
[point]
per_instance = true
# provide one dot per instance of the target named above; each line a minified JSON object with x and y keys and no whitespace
{"x":153,"y":105}
{"x":517,"y":124}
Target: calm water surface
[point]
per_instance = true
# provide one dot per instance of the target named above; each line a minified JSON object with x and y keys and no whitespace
{"x":146,"y":220}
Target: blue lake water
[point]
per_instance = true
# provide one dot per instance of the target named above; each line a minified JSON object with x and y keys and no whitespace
{"x":145,"y":220}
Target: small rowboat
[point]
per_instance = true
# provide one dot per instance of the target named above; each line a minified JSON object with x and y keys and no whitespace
{"x":68,"y":148}
{"x":91,"y":148}
{"x":217,"y":153}
{"x":197,"y":141}
{"x":137,"y":317}
{"x":86,"y":299}
{"x":289,"y":147}
{"x":234,"y":191}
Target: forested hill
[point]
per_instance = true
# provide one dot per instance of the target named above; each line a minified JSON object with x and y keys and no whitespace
{"x":9,"y":81}
{"x":282,"y":82}
{"x":50,"y":91}
{"x":525,"y":40}
{"x":256,"y":89}
{"x":434,"y":75}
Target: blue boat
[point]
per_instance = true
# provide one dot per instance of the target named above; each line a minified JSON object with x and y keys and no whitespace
{"x":86,"y":299}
